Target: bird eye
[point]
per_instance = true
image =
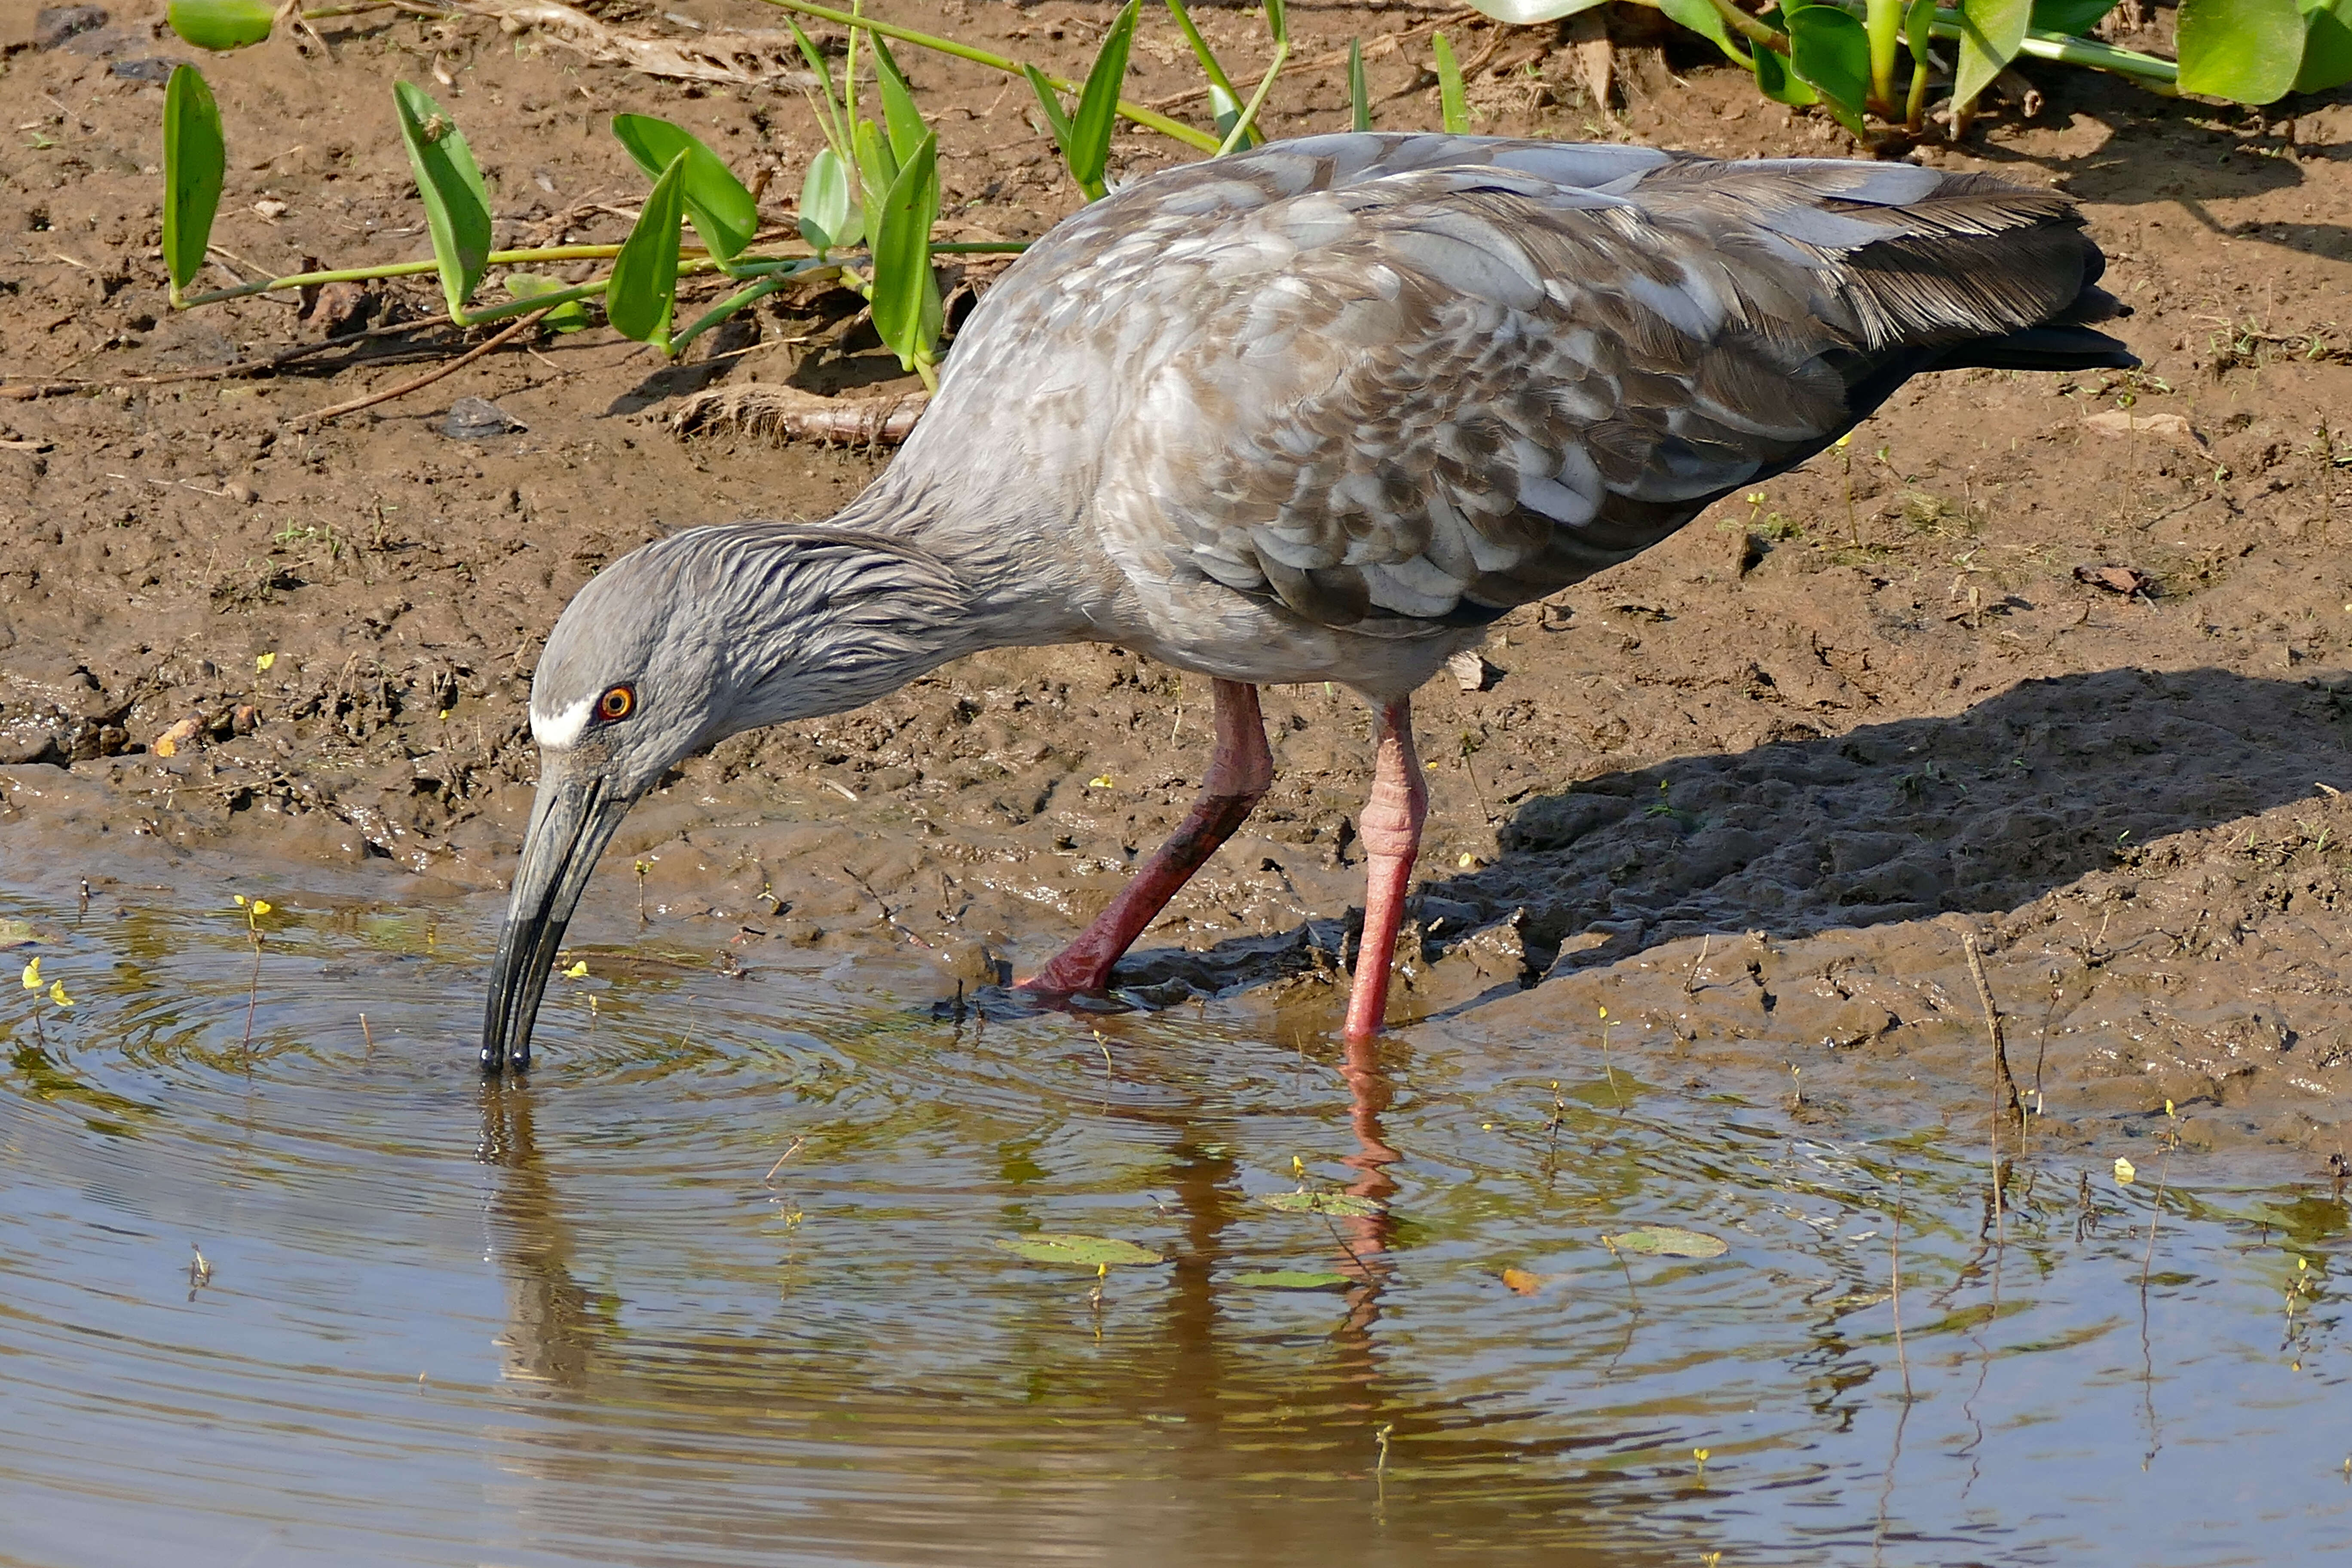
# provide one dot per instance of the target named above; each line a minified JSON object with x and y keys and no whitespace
{"x":617,"y":703}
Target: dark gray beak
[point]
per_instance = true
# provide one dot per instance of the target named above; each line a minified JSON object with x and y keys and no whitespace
{"x":571,"y":821}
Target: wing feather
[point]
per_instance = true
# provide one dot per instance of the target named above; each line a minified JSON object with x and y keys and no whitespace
{"x":1393,"y":381}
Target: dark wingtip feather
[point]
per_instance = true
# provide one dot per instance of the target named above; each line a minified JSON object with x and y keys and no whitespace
{"x":2057,"y":347}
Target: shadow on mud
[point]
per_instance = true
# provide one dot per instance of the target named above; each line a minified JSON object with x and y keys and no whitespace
{"x":1982,"y":812}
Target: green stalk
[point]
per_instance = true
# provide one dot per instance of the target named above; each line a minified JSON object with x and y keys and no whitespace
{"x":2148,"y":70}
{"x":1749,"y":27}
{"x":531,"y":302}
{"x":734,"y":303}
{"x":1240,"y":132}
{"x":748,"y":266}
{"x":1914,"y":111}
{"x":1882,"y":22}
{"x":1173,"y":129}
{"x":1203,"y":53}
{"x":406,"y":270}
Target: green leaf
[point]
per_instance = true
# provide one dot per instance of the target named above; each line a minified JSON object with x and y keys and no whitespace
{"x":1346,"y":1204}
{"x":1668,"y":1241}
{"x":1773,"y":80}
{"x":2249,"y":51}
{"x":1225,"y":109}
{"x":1991,"y":34}
{"x":1076,"y":1251}
{"x":1225,"y":103}
{"x":899,"y":110}
{"x":828,"y":217}
{"x":15,"y":932}
{"x":1918,"y":31}
{"x":644,"y":291}
{"x":1829,"y":49}
{"x":723,"y":212}
{"x":2074,"y":18}
{"x":457,"y":208}
{"x":568,"y":317}
{"x":1704,"y":19}
{"x":1360,"y":98}
{"x":1452,"y":109}
{"x":1288,"y":1279}
{"x":2326,"y":49}
{"x":194,"y":158}
{"x":1057,"y":122}
{"x":877,"y":171}
{"x":221,"y":24}
{"x":1087,"y":151}
{"x":829,"y":119}
{"x":903,"y":281}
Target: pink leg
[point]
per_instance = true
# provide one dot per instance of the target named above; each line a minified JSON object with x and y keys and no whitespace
{"x":1240,"y":773}
{"x":1390,"y":830}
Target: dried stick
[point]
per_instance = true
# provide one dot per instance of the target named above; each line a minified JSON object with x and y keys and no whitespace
{"x":2005,"y":1099}
{"x":417,"y":382}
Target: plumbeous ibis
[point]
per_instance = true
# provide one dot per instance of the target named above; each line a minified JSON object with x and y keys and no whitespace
{"x":1318,"y":412}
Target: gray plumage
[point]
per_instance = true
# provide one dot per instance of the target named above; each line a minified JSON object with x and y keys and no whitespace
{"x":1320,"y":412}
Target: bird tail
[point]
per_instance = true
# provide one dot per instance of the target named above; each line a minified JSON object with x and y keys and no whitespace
{"x":1943,"y":270}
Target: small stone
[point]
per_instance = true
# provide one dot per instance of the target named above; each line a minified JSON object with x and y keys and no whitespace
{"x":55,"y":24}
{"x":242,"y":493}
{"x":169,"y":743}
{"x":801,"y":932}
{"x":244,"y":717}
{"x":342,"y":307}
{"x":1471,"y":671}
{"x":478,"y":419}
{"x":971,"y":961}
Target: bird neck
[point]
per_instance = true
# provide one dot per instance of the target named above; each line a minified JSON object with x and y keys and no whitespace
{"x":1024,"y":574}
{"x":810,"y":619}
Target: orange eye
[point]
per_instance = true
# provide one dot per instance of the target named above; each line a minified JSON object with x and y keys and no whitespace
{"x":617,"y":703}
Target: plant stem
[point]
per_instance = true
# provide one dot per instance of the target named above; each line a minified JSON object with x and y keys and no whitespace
{"x":1173,"y":129}
{"x":1202,"y":52}
{"x":2147,"y":68}
{"x":709,"y":319}
{"x":1747,"y":26}
{"x":1239,"y":134}
{"x":403,"y":269}
{"x":1883,"y":22}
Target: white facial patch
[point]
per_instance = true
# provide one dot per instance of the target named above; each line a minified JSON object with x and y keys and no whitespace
{"x":557,"y":732}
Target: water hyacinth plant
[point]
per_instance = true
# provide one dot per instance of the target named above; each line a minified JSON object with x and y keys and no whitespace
{"x":869,"y":200}
{"x":1846,"y":55}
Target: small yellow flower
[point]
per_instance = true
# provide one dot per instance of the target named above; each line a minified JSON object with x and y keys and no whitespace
{"x":1100,"y":781}
{"x":2124,"y":1171}
{"x":261,"y":906}
{"x":33,"y":976}
{"x":57,"y":994}
{"x":577,"y":971}
{"x":261,"y":664}
{"x":240,"y":900}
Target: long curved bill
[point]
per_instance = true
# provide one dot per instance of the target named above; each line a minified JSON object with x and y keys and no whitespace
{"x":572,"y":820}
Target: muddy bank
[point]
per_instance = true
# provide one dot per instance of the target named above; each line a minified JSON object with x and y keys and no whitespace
{"x":1822,"y":732}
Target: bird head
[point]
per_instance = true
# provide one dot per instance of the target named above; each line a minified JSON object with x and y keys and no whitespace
{"x":670,"y":649}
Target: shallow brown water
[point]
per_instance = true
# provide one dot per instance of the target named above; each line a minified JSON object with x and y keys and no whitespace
{"x":578,"y":1321}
